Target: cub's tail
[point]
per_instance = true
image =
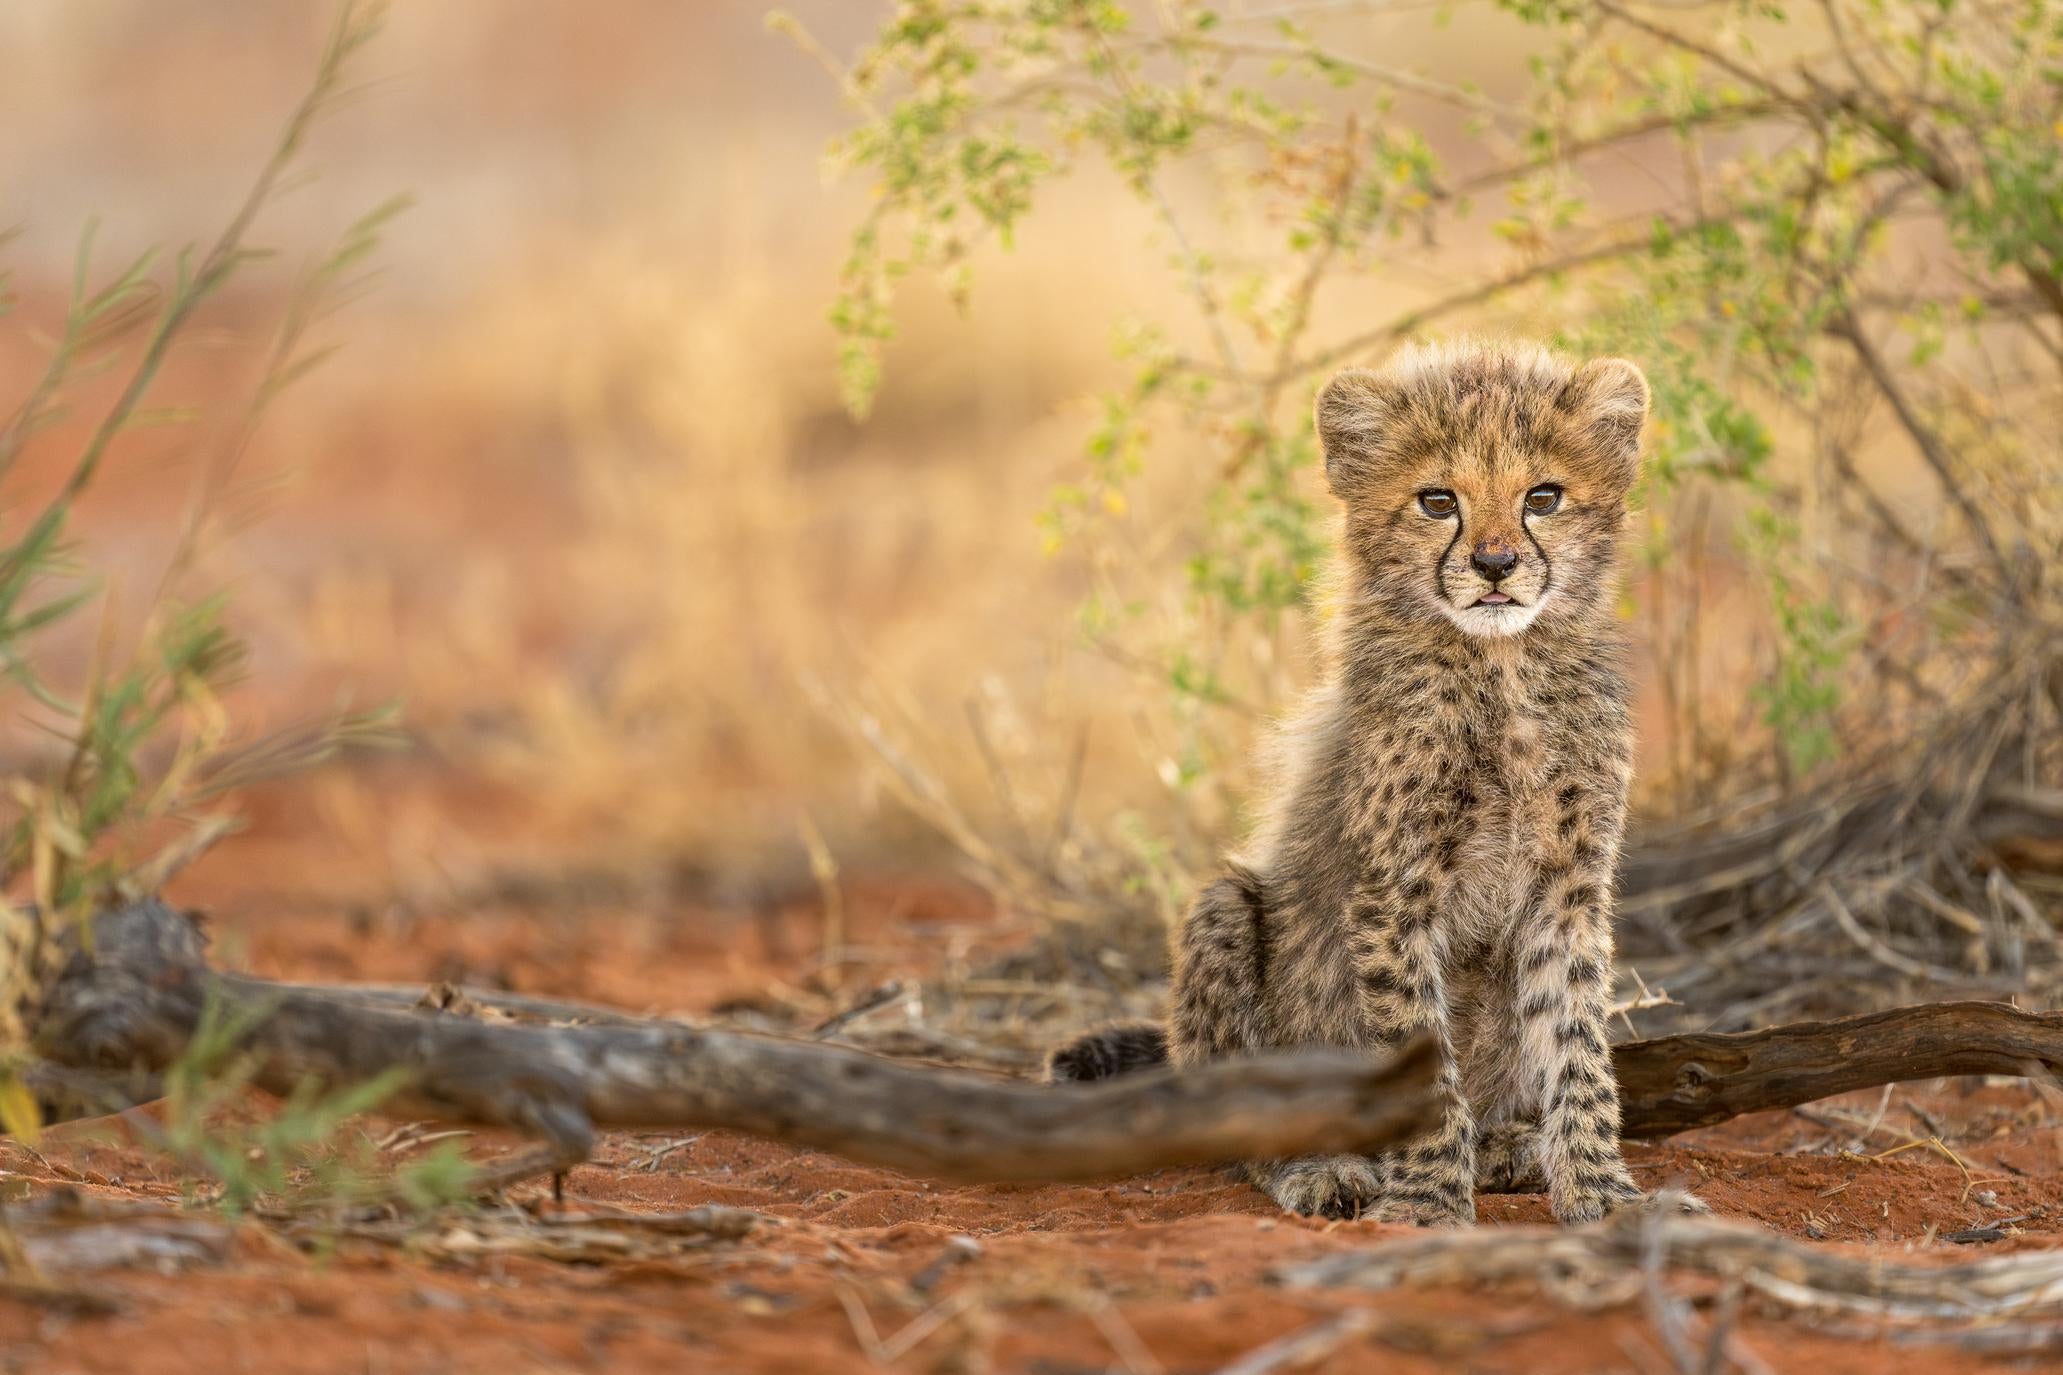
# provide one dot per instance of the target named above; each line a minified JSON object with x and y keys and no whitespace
{"x":1121,"y":1049}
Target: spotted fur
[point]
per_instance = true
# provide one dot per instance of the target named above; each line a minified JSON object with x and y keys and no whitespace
{"x":1440,"y":850}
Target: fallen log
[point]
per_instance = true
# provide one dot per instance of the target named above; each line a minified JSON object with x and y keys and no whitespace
{"x":133,"y":996}
{"x":126,"y":1010}
{"x":1674,"y":1083}
{"x":1667,"y":1085}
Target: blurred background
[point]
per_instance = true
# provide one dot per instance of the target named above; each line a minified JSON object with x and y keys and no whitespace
{"x":580,"y":495}
{"x":578,"y":491}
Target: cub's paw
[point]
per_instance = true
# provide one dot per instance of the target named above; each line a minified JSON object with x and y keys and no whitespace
{"x":1591,"y":1201}
{"x":1445,"y":1208}
{"x":1593,"y":1194}
{"x":1323,"y":1185}
{"x":1507,"y":1161}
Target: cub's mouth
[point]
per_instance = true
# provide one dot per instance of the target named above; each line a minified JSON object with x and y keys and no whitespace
{"x":1493,"y":599}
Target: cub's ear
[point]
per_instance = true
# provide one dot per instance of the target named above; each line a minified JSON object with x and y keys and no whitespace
{"x":1608,"y":398}
{"x":1354,"y":413}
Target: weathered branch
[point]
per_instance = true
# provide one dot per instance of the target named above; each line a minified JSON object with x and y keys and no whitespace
{"x":118,"y":1016}
{"x":139,"y":997}
{"x":447,"y":997}
{"x":1674,"y":1083}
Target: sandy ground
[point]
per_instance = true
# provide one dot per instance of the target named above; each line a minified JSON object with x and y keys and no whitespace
{"x":860,"y":1268}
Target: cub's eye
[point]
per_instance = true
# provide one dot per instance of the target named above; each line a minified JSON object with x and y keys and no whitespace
{"x":1543,"y":500}
{"x":1437,"y":502}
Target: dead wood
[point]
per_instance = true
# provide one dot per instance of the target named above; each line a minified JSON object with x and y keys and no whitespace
{"x":1673,"y":1083}
{"x":133,"y":995}
{"x":64,"y":1092}
{"x":126,"y":1011}
{"x":449,"y":997}
{"x":63,"y":1234}
{"x":581,"y":1238}
{"x":1893,"y":882}
{"x":1603,"y":1263}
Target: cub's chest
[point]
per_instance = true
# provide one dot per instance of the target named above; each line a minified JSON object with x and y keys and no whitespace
{"x":1501,"y":741}
{"x":1506,"y":795}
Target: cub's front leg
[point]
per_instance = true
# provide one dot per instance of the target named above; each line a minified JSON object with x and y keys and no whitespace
{"x":1400,"y":976}
{"x":1564,"y":971}
{"x":1564,"y":964}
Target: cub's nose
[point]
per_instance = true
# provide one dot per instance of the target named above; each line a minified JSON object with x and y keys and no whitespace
{"x":1494,"y":561}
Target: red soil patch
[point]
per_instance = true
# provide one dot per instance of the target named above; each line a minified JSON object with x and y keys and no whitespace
{"x":1178,"y":1262}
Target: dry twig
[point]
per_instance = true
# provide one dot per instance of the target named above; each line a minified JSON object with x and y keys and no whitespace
{"x":1603,"y":1261}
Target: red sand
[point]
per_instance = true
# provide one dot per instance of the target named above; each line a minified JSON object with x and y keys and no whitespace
{"x":1167,"y":1272}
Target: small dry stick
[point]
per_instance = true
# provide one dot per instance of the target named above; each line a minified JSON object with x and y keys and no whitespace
{"x":823,"y":867}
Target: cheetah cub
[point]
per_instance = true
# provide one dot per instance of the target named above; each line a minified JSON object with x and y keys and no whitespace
{"x":1440,"y":850}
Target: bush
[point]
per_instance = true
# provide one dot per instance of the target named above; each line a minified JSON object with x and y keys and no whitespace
{"x":1837,"y":257}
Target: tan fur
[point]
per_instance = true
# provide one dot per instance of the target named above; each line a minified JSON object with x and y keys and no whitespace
{"x":1440,"y":851}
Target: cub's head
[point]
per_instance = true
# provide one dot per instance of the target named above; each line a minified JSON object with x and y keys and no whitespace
{"x":1484,"y":482}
